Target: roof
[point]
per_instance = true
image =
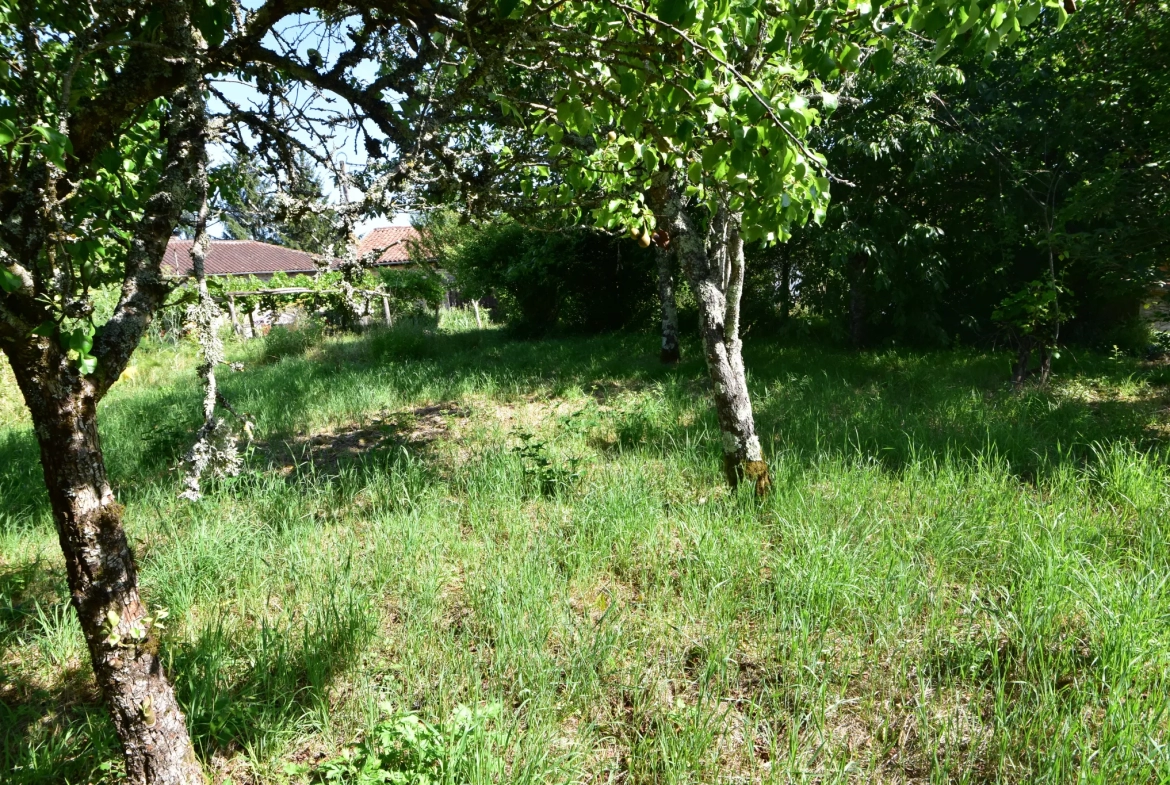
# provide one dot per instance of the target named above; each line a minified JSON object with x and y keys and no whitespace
{"x":237,"y":257}
{"x":396,"y":241}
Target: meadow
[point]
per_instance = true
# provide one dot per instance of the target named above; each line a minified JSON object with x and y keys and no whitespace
{"x":458,"y":555}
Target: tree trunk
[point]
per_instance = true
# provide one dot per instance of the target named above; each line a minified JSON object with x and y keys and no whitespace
{"x":716,"y":276}
{"x":857,"y":264}
{"x":1023,"y":356}
{"x":103,"y":581}
{"x":1045,"y":369}
{"x":478,"y":320}
{"x":252,"y":323}
{"x":386,"y":312}
{"x":670,"y":352}
{"x":235,"y":317}
{"x":785,"y":287}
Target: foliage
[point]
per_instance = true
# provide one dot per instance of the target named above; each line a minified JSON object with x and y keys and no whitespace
{"x":726,"y":108}
{"x":1034,"y":311}
{"x":542,"y":469}
{"x":295,"y":214}
{"x":413,"y":288}
{"x":545,"y":280}
{"x":1047,"y":163}
{"x":405,"y":750}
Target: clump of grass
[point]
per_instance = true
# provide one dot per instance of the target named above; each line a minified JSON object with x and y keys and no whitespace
{"x":951,"y":582}
{"x":282,"y":341}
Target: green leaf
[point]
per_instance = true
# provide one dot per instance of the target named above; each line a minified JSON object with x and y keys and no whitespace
{"x":9,"y":281}
{"x":79,"y":340}
{"x":850,"y":57}
{"x":1028,"y":13}
{"x":881,"y":62}
{"x":213,"y":18}
{"x":713,"y":154}
{"x":507,"y":7}
{"x":673,"y":11}
{"x":87,"y":364}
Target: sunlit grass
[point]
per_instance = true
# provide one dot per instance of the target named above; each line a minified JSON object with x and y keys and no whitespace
{"x":951,"y":582}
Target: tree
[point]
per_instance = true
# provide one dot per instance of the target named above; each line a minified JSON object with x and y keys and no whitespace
{"x":692,"y":117}
{"x":103,"y":132}
{"x":1044,"y":165}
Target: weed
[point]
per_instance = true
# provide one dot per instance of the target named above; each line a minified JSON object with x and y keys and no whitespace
{"x":405,"y":750}
{"x":542,"y":470}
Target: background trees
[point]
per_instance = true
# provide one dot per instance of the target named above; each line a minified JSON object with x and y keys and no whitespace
{"x":963,"y":182}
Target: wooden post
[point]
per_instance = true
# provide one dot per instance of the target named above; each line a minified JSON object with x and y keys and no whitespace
{"x":386,"y":311}
{"x":478,"y":321}
{"x":235,"y":316}
{"x":252,"y":322}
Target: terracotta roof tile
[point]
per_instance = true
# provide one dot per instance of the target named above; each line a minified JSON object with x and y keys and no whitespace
{"x":395,"y":239}
{"x":238,"y":257}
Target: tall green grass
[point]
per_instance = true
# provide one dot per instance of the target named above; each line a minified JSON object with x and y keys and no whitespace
{"x":951,"y":582}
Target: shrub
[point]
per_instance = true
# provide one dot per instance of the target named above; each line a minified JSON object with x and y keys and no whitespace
{"x":405,"y":750}
{"x":542,"y":281}
{"x":284,"y":342}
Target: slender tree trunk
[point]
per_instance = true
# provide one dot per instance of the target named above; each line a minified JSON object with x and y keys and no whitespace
{"x":786,"y":287}
{"x":235,"y":317}
{"x":1023,"y":357}
{"x":252,"y":323}
{"x":478,"y":320}
{"x":1045,"y":369}
{"x":103,"y":581}
{"x":386,"y":312}
{"x":857,"y":264}
{"x":670,"y":351}
{"x":716,"y":276}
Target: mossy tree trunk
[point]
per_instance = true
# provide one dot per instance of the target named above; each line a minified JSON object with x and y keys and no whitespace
{"x":715,"y":267}
{"x":103,"y":580}
{"x":668,"y":305}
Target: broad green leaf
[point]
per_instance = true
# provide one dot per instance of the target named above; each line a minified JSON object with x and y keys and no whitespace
{"x":9,"y":281}
{"x":1028,"y":13}
{"x":673,"y":11}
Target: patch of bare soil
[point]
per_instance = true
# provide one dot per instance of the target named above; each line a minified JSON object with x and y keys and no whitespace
{"x":327,"y":450}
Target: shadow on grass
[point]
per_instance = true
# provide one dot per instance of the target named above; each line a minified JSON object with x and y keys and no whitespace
{"x":249,"y":689}
{"x":893,"y":407}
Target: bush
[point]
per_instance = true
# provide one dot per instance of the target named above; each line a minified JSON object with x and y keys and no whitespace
{"x":284,"y":342}
{"x":405,"y":750}
{"x":544,"y":281}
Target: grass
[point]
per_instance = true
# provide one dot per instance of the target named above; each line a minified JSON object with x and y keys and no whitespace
{"x":951,"y":582}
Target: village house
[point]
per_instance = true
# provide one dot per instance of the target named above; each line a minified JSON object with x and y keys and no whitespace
{"x":263,"y":260}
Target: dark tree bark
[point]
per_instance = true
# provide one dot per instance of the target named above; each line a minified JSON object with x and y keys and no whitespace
{"x":1022,"y":372}
{"x":857,"y":267}
{"x":786,"y":287}
{"x":103,"y":581}
{"x":669,"y":307}
{"x":715,"y":270}
{"x":62,"y":401}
